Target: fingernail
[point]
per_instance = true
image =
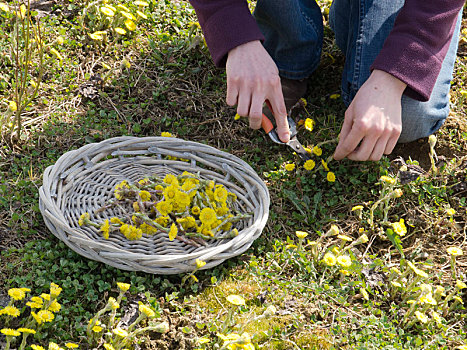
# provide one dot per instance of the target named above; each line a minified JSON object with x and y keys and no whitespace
{"x":285,"y":137}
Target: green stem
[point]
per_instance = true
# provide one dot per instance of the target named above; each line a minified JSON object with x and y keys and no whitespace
{"x":145,"y":329}
{"x":23,"y":341}
{"x":120,"y":297}
{"x":8,"y":340}
{"x":138,"y":320}
{"x":300,"y":244}
{"x":227,"y":321}
{"x":411,"y":286}
{"x":409,"y":312}
{"x":185,"y":278}
{"x":112,"y":319}
{"x":385,"y":199}
{"x":319,"y":144}
{"x":432,"y":160}
{"x":94,"y":321}
{"x":453,"y":306}
{"x":453,"y":267}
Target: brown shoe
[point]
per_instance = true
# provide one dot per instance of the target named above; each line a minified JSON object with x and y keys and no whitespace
{"x":293,"y":90}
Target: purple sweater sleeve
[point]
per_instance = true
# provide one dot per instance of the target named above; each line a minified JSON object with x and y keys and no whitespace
{"x":226,"y":24}
{"x":416,"y":47}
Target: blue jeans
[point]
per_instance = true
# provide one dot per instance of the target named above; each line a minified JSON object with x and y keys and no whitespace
{"x":294,"y":34}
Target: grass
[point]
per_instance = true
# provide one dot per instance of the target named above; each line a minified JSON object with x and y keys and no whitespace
{"x":160,"y":78}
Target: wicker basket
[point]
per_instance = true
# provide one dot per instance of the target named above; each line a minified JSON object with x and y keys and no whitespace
{"x":83,"y":181}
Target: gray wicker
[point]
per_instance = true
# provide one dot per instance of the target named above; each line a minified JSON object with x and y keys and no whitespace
{"x":83,"y":181}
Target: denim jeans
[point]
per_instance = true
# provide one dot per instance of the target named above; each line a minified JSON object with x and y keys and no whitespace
{"x":293,"y":33}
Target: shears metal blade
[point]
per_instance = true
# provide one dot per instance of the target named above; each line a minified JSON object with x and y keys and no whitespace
{"x":293,"y":143}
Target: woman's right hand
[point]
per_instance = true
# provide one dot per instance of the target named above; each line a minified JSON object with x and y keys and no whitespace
{"x":253,"y":78}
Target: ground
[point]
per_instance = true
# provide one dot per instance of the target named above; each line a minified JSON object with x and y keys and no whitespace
{"x":160,"y":78}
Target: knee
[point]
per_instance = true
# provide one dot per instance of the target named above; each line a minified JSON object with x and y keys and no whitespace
{"x":421,"y":119}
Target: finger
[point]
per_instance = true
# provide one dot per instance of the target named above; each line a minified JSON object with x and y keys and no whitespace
{"x":280,"y":114}
{"x":243,"y":104}
{"x":346,"y":127}
{"x":348,"y":144}
{"x":232,"y":93}
{"x":365,"y":149}
{"x":345,"y":130}
{"x":379,"y":149}
{"x":256,"y":110}
{"x":392,"y":142}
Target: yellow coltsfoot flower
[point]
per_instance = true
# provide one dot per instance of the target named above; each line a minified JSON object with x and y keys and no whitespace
{"x":200,"y":263}
{"x":329,"y":259}
{"x":301,"y":234}
{"x":16,"y":293}
{"x":123,"y":286}
{"x":309,"y":124}
{"x":45,"y":316}
{"x":10,"y":332}
{"x":455,"y":251}
{"x":112,"y":303}
{"x":55,"y":290}
{"x":344,"y":261}
{"x":387,"y":179}
{"x":317,"y":151}
{"x":399,"y":227}
{"x":236,"y":299}
{"x":84,"y":219}
{"x":146,"y":310}
{"x":362,"y":239}
{"x":208,"y":216}
{"x":120,"y":332}
{"x":334,"y":230}
{"x":105,"y":228}
{"x":120,"y":31}
{"x":460,"y":285}
{"x":145,"y":196}
{"x":10,"y":311}
{"x":27,"y":330}
{"x":421,"y":317}
{"x":173,"y":232}
{"x":54,"y":306}
{"x":107,"y":11}
{"x":450,"y":212}
{"x":36,"y":347}
{"x":309,"y":164}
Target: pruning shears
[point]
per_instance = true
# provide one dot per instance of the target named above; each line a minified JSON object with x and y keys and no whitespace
{"x":293,"y":143}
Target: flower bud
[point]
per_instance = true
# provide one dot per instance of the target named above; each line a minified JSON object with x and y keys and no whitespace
{"x":334,"y":230}
{"x":270,"y":311}
{"x":397,"y":193}
{"x":161,"y":327}
{"x":12,"y":106}
{"x":362,"y":239}
{"x":460,"y":285}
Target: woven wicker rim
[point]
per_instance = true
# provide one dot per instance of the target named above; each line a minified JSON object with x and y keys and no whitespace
{"x":83,"y":180}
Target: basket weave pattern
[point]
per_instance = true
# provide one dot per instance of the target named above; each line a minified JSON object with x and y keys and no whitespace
{"x":83,"y":180}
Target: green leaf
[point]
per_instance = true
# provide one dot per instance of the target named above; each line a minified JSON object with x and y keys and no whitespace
{"x":396,"y":241}
{"x":186,"y":330}
{"x":292,"y":196}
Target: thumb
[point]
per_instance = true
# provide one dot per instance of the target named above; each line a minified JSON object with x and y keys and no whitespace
{"x":280,"y":115}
